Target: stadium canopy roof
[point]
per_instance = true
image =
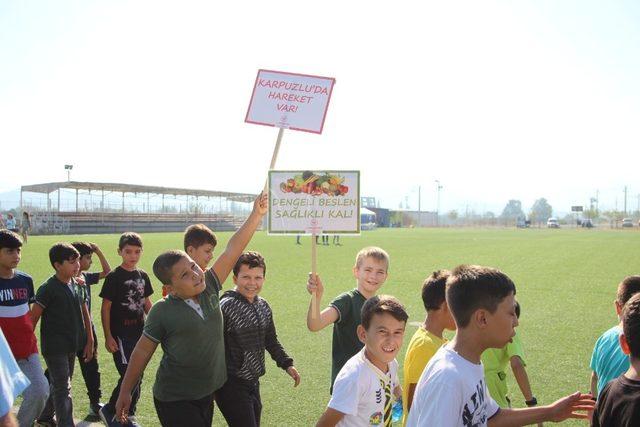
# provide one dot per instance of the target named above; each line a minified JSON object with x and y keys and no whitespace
{"x":50,"y":187}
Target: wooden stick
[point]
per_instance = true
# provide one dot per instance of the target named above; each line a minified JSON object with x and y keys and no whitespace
{"x":274,"y":157}
{"x":314,"y":270}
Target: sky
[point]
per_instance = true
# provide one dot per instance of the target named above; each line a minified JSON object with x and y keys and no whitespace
{"x":496,"y":100}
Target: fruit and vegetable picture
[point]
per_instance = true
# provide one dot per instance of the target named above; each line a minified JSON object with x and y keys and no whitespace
{"x":315,"y":184}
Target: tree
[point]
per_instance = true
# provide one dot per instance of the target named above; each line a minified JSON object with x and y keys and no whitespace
{"x":541,"y":211}
{"x":513,"y":210}
{"x":452,"y":215}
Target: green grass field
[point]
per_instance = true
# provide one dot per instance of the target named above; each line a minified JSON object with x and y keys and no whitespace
{"x":566,"y":282}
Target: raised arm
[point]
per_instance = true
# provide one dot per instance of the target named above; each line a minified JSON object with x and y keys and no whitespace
{"x":239,"y":241}
{"x":594,"y":384}
{"x":104,"y":264}
{"x":316,"y":319}
{"x":137,"y":363}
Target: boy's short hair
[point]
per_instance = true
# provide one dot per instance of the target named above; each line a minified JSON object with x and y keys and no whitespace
{"x":473,"y":287}
{"x":629,"y":286}
{"x":433,"y":289}
{"x":380,"y":304}
{"x":631,"y":324}
{"x":251,"y":259}
{"x":61,"y":252}
{"x":130,"y":238}
{"x":163,"y":265}
{"x":197,"y":235}
{"x":10,"y":240}
{"x":517,"y":309}
{"x":374,"y":252}
{"x":83,"y":248}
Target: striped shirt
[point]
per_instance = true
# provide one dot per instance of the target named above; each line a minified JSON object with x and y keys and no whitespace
{"x":248,"y":331}
{"x":15,"y":321}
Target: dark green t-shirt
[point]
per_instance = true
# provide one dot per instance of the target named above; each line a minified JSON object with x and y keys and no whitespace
{"x":62,"y":328}
{"x":345,"y":338}
{"x":193,"y":363}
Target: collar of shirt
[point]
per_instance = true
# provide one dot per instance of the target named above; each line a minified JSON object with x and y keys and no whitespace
{"x":384,"y":377}
{"x":194,"y":305}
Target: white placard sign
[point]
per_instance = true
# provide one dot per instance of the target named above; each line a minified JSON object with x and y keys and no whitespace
{"x":290,"y":101}
{"x":314,"y":202}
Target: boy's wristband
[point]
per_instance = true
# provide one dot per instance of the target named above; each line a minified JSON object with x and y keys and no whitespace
{"x":532,"y":402}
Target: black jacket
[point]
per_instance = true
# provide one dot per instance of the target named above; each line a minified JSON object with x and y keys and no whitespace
{"x":248,"y":331}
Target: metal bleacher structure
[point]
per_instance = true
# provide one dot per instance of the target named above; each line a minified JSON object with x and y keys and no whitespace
{"x":178,"y":208}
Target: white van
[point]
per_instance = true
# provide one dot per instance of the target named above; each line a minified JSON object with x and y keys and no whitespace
{"x":553,"y":223}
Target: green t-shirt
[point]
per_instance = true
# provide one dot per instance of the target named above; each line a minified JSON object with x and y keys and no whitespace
{"x":495,"y":362}
{"x":193,"y":363}
{"x":62,"y":329}
{"x":345,"y":339}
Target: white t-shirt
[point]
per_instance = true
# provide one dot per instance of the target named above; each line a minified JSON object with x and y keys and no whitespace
{"x":359,"y":394}
{"x":451,"y":392}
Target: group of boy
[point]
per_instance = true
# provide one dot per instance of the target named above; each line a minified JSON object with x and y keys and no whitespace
{"x":615,"y":362}
{"x":444,"y":382}
{"x":67,"y":331}
{"x":232,"y":333}
{"x":477,"y":302}
{"x":192,"y":312}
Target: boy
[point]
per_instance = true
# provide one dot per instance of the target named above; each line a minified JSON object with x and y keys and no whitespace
{"x":199,"y":243}
{"x":619,"y":401}
{"x":452,"y":390}
{"x":494,"y":362}
{"x":16,"y":295}
{"x":248,"y":330}
{"x":125,"y":301}
{"x":90,"y":370}
{"x":188,"y":374}
{"x":66,"y":326}
{"x":364,"y":390}
{"x":428,"y":338}
{"x":607,"y":360}
{"x":184,"y":323}
{"x":370,"y":271}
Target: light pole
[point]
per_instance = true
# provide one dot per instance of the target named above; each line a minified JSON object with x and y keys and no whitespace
{"x":438,"y":188}
{"x":68,"y":169}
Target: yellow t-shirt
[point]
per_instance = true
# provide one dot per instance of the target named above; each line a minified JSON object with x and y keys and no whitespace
{"x":422,"y":347}
{"x":495,"y":362}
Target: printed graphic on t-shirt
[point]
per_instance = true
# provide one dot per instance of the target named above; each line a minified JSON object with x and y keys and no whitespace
{"x":134,"y":298}
{"x":375,"y":419}
{"x":474,"y":412}
{"x":15,"y":294}
{"x":379,"y":395}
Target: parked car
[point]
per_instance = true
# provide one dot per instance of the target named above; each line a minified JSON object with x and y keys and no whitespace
{"x":553,"y":223}
{"x":627,"y":222}
{"x":587,"y":223}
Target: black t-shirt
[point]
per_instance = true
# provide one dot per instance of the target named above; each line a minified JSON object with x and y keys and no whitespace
{"x":618,"y":404}
{"x":90,"y":279}
{"x":127,"y":291}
